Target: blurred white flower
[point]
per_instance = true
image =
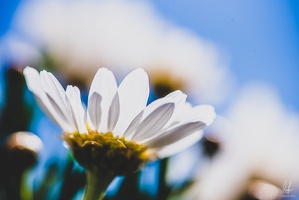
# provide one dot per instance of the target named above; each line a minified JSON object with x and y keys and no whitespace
{"x":119,"y":115}
{"x":17,"y":52}
{"x":85,"y":35}
{"x":25,"y":141}
{"x":259,"y":141}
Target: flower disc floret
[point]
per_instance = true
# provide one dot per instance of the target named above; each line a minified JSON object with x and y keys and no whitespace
{"x":106,"y":152}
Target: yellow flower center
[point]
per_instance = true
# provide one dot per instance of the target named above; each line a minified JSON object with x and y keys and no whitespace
{"x":107,"y":153}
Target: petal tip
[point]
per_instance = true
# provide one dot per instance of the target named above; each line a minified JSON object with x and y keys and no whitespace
{"x":27,"y":70}
{"x":211,"y":114}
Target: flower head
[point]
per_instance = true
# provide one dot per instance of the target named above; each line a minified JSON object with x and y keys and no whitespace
{"x":118,"y":131}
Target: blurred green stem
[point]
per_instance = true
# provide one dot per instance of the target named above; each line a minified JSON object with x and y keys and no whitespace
{"x":163,"y":188}
{"x":96,"y":185}
{"x":26,"y":192}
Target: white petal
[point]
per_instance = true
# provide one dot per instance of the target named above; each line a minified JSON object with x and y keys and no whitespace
{"x":113,"y":112}
{"x":154,"y":122}
{"x":175,"y":134}
{"x":203,"y":113}
{"x":176,"y":98}
{"x":63,"y":113}
{"x":50,"y":88}
{"x":105,"y":84}
{"x":131,"y":130}
{"x":33,"y":81}
{"x":34,"y":84}
{"x":94,"y":111}
{"x":174,"y":94}
{"x":53,"y":115}
{"x":179,"y":98}
{"x":207,"y":114}
{"x":185,"y":112}
{"x":54,"y":83}
{"x":73,"y":94}
{"x":180,"y":145}
{"x":133,"y":95}
{"x":56,"y":95}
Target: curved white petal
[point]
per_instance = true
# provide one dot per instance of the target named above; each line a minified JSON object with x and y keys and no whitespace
{"x":131,"y":130}
{"x":207,"y":113}
{"x":34,"y":84}
{"x":180,"y":145}
{"x":53,"y":85}
{"x":137,"y":132}
{"x":104,"y":83}
{"x":94,"y":111}
{"x":133,"y":95}
{"x":154,"y":122}
{"x":63,"y":113}
{"x":78,"y":113}
{"x":113,"y":112}
{"x":179,"y":98}
{"x":185,"y":112}
{"x":174,"y":134}
{"x":48,"y":109}
{"x":203,"y":113}
{"x":56,"y":95}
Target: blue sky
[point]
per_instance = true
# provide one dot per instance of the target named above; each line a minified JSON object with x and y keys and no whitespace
{"x":261,"y":38}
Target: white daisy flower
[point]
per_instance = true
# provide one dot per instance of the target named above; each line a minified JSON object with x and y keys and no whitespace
{"x":260,"y":141}
{"x":89,"y":34}
{"x":119,"y":132}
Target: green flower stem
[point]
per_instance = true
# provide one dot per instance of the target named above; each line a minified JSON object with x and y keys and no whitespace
{"x":96,"y":185}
